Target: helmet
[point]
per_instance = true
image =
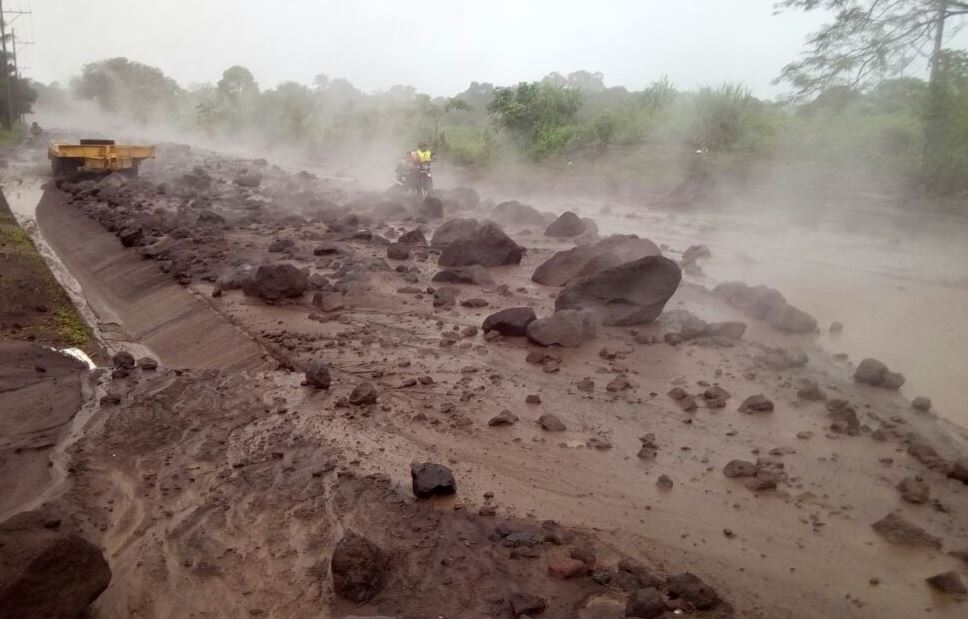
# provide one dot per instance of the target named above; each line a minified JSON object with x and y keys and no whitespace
{"x":422,"y":145}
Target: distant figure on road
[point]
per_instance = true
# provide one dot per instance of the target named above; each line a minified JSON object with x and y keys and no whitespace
{"x":35,"y":130}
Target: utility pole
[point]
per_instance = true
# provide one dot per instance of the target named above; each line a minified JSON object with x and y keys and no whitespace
{"x":8,"y":77}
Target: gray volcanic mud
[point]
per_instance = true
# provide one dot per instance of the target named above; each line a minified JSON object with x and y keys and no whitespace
{"x":589,"y":478}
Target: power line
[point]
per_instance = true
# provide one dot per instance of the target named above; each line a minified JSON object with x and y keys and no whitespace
{"x":9,"y":55}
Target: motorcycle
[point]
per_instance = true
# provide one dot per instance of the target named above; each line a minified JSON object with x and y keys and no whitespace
{"x":417,"y":180}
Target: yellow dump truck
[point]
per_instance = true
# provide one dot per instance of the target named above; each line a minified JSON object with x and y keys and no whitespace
{"x":96,"y":156}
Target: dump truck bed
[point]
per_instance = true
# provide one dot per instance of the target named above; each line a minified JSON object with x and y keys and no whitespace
{"x":107,"y":157}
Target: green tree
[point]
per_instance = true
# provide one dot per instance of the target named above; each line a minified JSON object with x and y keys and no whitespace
{"x":538,"y":115}
{"x":119,"y":85}
{"x":870,"y":40}
{"x":22,"y":95}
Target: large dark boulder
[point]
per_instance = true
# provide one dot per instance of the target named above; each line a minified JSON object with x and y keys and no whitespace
{"x":44,"y":573}
{"x":583,"y":260}
{"x":767,"y":304}
{"x":629,"y":294}
{"x":431,"y":208}
{"x":453,"y":230}
{"x":489,"y":246}
{"x":513,"y":213}
{"x":359,"y":567}
{"x":276,"y":281}
{"x":645,"y":604}
{"x":568,"y":328}
{"x":567,"y":224}
{"x":689,"y":587}
{"x":512,"y":321}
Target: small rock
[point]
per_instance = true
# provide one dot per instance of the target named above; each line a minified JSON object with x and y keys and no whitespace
{"x":693,"y":590}
{"x":359,"y":568}
{"x":430,"y":479}
{"x":756,"y":404}
{"x":123,"y":359}
{"x":526,"y":604}
{"x":895,"y":529}
{"x":921,"y":403}
{"x":504,"y":418}
{"x":914,"y":490}
{"x":645,"y":604}
{"x":551,"y":423}
{"x":740,"y":468}
{"x":948,"y":582}
{"x":533,"y":398}
{"x":563,"y":568}
{"x":317,"y":374}
{"x":364,"y":393}
{"x":664,"y":482}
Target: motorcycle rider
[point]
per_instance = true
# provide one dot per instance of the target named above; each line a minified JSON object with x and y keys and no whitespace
{"x":408,"y":169}
{"x":421,"y":155}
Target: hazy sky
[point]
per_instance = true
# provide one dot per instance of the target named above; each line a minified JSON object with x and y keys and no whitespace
{"x":438,"y":46}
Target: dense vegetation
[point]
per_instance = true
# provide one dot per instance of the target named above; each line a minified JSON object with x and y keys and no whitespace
{"x":876,"y":128}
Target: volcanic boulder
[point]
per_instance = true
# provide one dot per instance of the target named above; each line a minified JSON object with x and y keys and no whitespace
{"x":767,"y":304}
{"x":875,"y":373}
{"x":48,"y":574}
{"x":895,"y":529}
{"x":568,"y":224}
{"x":645,"y":604}
{"x":488,"y":246}
{"x":431,"y":479}
{"x":317,"y":374}
{"x":566,"y":265}
{"x":689,"y":587}
{"x":569,"y":328}
{"x":513,"y":213}
{"x":453,"y":230}
{"x":512,"y":321}
{"x":431,"y":208}
{"x":359,"y":567}
{"x":629,"y":294}
{"x":276,"y":281}
{"x":474,"y":274}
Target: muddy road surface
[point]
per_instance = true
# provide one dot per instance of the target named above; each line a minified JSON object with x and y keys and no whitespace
{"x":340,"y":425}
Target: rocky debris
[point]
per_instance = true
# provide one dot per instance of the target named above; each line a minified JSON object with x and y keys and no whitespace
{"x":474,"y":302}
{"x":359,"y":568}
{"x":281,"y":245}
{"x":413,"y":238}
{"x":328,"y":301}
{"x":692,"y":256}
{"x":430,"y":479}
{"x":364,"y":393}
{"x":664,"y":482}
{"x":504,"y":418}
{"x":947,"y":582}
{"x":123,"y":359}
{"x":317,"y":374}
{"x":248,"y":179}
{"x":488,"y":246}
{"x":563,"y":568}
{"x":762,"y":481}
{"x":445,"y":298}
{"x":511,"y":322}
{"x":959,"y":470}
{"x":645,"y":603}
{"x":875,"y":373}
{"x":766,"y":304}
{"x":586,"y":385}
{"x":398,"y":251}
{"x":628,"y":247}
{"x":740,"y":468}
{"x":811,"y":392}
{"x":895,"y":529}
{"x":526,"y":604}
{"x":782,"y":358}
{"x":551,"y":423}
{"x":147,"y":364}
{"x":844,"y":417}
{"x":45,"y":573}
{"x":618,"y":384}
{"x":731,"y":329}
{"x":923,"y":452}
{"x":567,"y":224}
{"x":453,"y":230}
{"x":921,"y":404}
{"x":649,"y":449}
{"x":474,"y":274}
{"x":513,"y":213}
{"x":758,"y":403}
{"x":328,"y":249}
{"x":532,"y":398}
{"x":691,"y":589}
{"x":836,"y":327}
{"x":629,"y":294}
{"x":568,"y":328}
{"x":914,"y":490}
{"x":459,"y":198}
{"x":431,"y":208}
{"x":276,"y":281}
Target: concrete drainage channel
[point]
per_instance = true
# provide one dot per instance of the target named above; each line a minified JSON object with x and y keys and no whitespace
{"x":130,"y":303}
